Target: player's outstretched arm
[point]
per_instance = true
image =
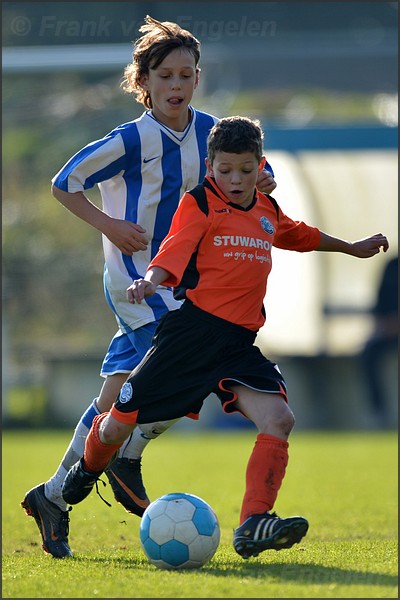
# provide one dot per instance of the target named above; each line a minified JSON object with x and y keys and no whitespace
{"x":364,"y":248}
{"x":127,"y":236}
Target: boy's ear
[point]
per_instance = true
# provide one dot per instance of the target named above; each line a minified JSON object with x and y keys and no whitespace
{"x":262,"y":164}
{"x":143,"y":80}
{"x":197,"y":78}
{"x":210,"y":170}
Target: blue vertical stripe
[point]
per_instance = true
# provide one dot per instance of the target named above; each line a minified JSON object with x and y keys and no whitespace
{"x":170,"y":190}
{"x":204,"y":123}
{"x":89,"y":415}
{"x":170,"y":195}
{"x":171,"y":164}
{"x":133,"y":173}
{"x":133,"y":181}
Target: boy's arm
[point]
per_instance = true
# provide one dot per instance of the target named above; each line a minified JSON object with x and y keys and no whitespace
{"x":127,"y":236}
{"x":142,"y":288}
{"x":188,"y":225}
{"x":364,"y":248}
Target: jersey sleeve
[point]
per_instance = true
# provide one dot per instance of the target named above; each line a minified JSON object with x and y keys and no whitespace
{"x":296,"y":235}
{"x":268,"y":168}
{"x":96,"y":162}
{"x":188,"y":226}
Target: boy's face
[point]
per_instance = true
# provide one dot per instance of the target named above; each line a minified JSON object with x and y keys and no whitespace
{"x":236,"y":175}
{"x":171,"y":86}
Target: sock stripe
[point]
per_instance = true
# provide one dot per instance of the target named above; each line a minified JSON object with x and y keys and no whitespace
{"x":90,"y":414}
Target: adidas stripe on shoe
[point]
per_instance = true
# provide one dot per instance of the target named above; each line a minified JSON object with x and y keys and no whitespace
{"x":268,"y":532}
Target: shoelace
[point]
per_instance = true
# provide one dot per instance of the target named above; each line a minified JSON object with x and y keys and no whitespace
{"x":64,"y":523}
{"x":98,"y":492}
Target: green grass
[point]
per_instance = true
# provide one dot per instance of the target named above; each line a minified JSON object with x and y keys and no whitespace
{"x":344,"y":483}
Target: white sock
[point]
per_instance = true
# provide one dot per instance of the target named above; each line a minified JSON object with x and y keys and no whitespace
{"x":142,"y":434}
{"x":52,"y":488}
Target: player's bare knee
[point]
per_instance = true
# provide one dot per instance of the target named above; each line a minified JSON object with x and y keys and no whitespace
{"x":281,"y":421}
{"x":289,"y":422}
{"x":114,"y":432}
{"x":285,"y":425}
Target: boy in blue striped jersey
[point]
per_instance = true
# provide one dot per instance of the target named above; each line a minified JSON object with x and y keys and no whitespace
{"x":142,"y":168}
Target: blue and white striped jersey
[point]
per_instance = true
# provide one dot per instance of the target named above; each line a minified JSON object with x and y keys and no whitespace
{"x":142,"y":169}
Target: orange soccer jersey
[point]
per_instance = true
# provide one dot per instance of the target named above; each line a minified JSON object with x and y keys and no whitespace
{"x":229,"y":251}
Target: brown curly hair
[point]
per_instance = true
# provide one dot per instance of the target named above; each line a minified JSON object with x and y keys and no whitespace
{"x":159,"y":39}
{"x":235,"y":135}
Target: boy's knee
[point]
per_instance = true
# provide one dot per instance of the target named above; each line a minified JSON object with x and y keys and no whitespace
{"x":281,"y":421}
{"x":285,"y":420}
{"x":114,"y":432}
{"x":289,"y":422}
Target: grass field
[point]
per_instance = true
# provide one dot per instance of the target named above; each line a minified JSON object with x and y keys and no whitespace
{"x":344,"y":483}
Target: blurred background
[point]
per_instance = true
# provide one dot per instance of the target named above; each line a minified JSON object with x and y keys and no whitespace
{"x":322,"y":79}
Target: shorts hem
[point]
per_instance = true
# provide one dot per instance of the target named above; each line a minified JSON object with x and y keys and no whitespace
{"x":117,"y":372}
{"x":226,"y":403}
{"x":127,"y":418}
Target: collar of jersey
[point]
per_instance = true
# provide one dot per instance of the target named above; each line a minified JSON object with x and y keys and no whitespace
{"x":178,"y":136}
{"x":210,"y":183}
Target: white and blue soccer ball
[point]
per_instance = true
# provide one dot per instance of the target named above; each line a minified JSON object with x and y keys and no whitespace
{"x":179,"y":531}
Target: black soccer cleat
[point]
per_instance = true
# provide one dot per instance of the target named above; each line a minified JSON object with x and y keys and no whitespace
{"x":53,"y":523}
{"x":125,"y":478}
{"x":268,"y":532}
{"x":79,"y":483}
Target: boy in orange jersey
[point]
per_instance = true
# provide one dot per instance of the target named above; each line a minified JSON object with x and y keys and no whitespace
{"x":217,"y":257}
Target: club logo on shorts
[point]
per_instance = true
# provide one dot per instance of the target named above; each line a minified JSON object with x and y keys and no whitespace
{"x":126,"y":393}
{"x":267,"y":225}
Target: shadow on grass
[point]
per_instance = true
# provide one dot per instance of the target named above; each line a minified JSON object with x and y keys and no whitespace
{"x":306,"y":573}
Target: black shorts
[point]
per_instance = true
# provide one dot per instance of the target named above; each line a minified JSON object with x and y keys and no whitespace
{"x":194,"y":354}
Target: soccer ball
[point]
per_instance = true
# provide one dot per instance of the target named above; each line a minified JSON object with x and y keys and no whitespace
{"x":179,"y":531}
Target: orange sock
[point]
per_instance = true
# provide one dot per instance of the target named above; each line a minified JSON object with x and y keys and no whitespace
{"x":264,"y":475}
{"x":97,"y":455}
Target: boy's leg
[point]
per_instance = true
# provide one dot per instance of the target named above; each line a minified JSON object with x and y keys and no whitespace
{"x":44,"y":502}
{"x":97,"y":455}
{"x":124,"y":474}
{"x":266,"y":467}
{"x":109,"y":430}
{"x":74,"y":452}
{"x":264,"y":475}
{"x":259,"y":528}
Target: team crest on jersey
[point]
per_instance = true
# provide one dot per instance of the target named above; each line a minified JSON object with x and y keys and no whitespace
{"x":126,"y":393}
{"x":267,"y":225}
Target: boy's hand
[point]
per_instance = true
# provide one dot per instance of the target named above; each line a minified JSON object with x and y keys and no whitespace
{"x":265,"y":182}
{"x":140,"y":289}
{"x":370,"y":246}
{"x":127,"y":236}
